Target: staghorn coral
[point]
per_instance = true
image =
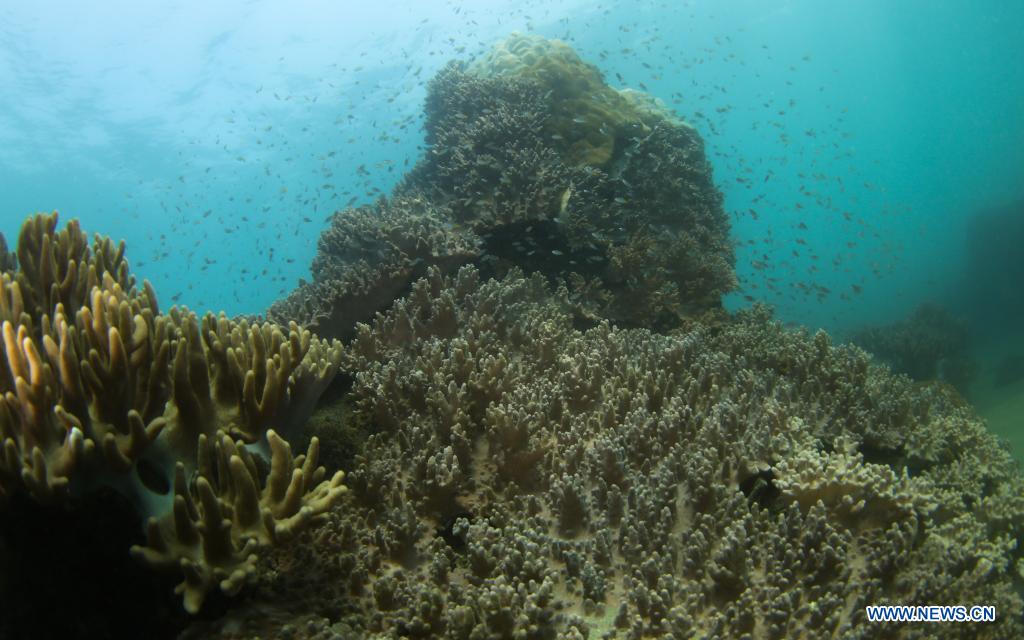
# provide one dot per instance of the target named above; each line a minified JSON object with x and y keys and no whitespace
{"x":525,"y":479}
{"x":98,"y":388}
{"x":535,"y":163}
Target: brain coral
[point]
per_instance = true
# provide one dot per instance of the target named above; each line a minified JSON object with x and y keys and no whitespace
{"x":526,"y":479}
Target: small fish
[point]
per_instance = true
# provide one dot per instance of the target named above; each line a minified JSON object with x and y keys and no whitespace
{"x":565,"y":200}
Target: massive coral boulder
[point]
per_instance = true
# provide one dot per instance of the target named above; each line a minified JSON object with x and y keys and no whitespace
{"x":98,"y":388}
{"x":534,"y":162}
{"x":526,"y":479}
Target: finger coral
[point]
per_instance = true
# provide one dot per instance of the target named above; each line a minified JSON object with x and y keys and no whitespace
{"x":98,"y":388}
{"x":524,"y":478}
{"x":212,"y":537}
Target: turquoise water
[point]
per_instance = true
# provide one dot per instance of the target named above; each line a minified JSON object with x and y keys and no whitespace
{"x":852,"y":141}
{"x":870,"y":157}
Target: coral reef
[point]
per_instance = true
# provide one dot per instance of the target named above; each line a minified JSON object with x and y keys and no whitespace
{"x":585,"y":117}
{"x":526,"y":479}
{"x":929,"y":345}
{"x":535,"y":163}
{"x":553,"y":429}
{"x":212,"y":537}
{"x":98,"y":388}
{"x":368,"y":257}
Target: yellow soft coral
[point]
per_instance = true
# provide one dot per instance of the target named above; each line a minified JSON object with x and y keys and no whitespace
{"x":98,"y":388}
{"x":217,"y":526}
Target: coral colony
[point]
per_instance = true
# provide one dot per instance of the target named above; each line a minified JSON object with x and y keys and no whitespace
{"x":549,"y":426}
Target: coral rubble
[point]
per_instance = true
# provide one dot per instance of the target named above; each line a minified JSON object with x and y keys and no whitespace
{"x":98,"y":388}
{"x":535,"y":163}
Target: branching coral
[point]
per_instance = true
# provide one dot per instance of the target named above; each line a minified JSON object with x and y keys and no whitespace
{"x":535,"y":163}
{"x":82,"y":385}
{"x":564,"y":438}
{"x":587,"y":117}
{"x":527,"y":479}
{"x":99,"y":388}
{"x":212,"y":536}
{"x":60,"y":266}
{"x":368,"y":257}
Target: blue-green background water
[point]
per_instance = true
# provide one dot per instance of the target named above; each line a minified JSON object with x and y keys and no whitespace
{"x":853,"y":140}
